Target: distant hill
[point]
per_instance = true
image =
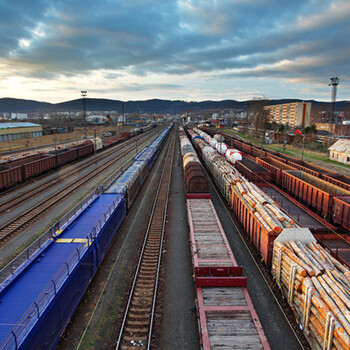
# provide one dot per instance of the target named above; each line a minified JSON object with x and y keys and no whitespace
{"x":12,"y":105}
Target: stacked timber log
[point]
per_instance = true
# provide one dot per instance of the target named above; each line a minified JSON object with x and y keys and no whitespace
{"x":228,"y":178}
{"x":317,"y":287}
{"x":262,"y":206}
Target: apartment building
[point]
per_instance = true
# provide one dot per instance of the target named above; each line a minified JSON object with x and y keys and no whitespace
{"x":295,"y":114}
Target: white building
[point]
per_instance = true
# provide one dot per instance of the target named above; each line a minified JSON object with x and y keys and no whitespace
{"x":340,"y":151}
{"x":19,"y":116}
{"x":96,"y":119}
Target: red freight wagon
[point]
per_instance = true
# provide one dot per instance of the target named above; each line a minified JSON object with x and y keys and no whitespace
{"x":40,"y":166}
{"x":253,"y":171}
{"x":338,"y":180}
{"x":258,"y":235}
{"x":10,"y":176}
{"x":67,"y":156}
{"x":112,"y":141}
{"x":258,"y":152}
{"x":341,"y":211}
{"x":246,"y":148}
{"x":309,"y":168}
{"x":85,"y":150}
{"x":274,"y":156}
{"x":315,"y":192}
{"x":223,"y":301}
{"x":275,"y":167}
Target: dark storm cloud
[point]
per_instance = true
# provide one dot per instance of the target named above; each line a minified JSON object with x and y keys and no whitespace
{"x":242,"y":38}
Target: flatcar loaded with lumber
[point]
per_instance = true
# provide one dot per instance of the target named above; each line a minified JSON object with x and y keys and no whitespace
{"x":317,"y":287}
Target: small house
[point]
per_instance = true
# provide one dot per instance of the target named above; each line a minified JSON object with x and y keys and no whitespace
{"x":340,"y":151}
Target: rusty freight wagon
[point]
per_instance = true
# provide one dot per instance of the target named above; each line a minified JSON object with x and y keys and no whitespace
{"x":10,"y":176}
{"x":338,"y":180}
{"x":315,"y":192}
{"x":341,"y":211}
{"x":252,"y":171}
{"x":275,"y":167}
{"x":309,"y":168}
{"x":39,"y":166}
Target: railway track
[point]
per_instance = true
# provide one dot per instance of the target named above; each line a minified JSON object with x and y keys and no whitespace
{"x":43,"y":187}
{"x":136,"y":328}
{"x":13,"y":227}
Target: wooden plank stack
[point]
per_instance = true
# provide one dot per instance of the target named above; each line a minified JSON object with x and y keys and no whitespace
{"x":317,"y":287}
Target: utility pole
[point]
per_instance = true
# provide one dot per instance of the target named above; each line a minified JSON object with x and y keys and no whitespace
{"x":302,"y":150}
{"x":334,"y":83}
{"x":54,"y":140}
{"x":123,"y":105}
{"x":95,"y":143}
{"x":123,"y":126}
{"x":83,"y":94}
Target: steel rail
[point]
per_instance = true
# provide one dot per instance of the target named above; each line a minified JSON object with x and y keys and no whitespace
{"x":149,"y":252}
{"x":8,"y":205}
{"x":33,"y":214}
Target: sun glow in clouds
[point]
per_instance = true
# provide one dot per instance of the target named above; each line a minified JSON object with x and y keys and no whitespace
{"x":185,"y":49}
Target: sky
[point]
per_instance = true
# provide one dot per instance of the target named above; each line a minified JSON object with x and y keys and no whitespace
{"x":190,"y":50}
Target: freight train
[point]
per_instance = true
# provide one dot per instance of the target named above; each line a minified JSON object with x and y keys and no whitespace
{"x":312,"y":169}
{"x":325,"y":192}
{"x":142,"y":129}
{"x":64,"y":260}
{"x":314,"y":283}
{"x":224,"y":320}
{"x":21,"y":170}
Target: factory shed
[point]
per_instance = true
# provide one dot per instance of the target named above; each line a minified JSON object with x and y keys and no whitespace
{"x":340,"y":151}
{"x":15,"y":131}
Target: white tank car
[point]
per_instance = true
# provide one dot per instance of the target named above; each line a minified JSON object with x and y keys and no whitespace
{"x":219,"y":138}
{"x":221,"y":147}
{"x":213,"y":143}
{"x":232,"y":155}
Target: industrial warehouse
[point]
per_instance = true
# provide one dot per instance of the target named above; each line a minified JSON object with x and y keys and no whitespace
{"x":15,"y":131}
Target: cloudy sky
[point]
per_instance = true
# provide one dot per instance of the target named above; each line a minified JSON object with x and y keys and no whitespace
{"x":174,"y":49}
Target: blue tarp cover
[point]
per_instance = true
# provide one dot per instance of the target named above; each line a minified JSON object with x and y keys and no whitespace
{"x":17,"y":298}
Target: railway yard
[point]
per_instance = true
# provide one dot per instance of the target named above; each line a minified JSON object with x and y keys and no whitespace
{"x":173,"y":238}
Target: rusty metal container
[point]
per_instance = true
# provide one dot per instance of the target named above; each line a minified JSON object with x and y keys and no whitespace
{"x":309,"y":168}
{"x":10,"y":176}
{"x":258,"y":152}
{"x":253,"y":171}
{"x":40,"y":166}
{"x":85,"y":150}
{"x":338,"y":180}
{"x":312,"y":190}
{"x":67,"y":156}
{"x":341,"y":211}
{"x":275,"y":167}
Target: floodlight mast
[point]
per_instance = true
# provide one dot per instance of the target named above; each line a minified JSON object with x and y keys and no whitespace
{"x":334,"y":83}
{"x":83,"y":95}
